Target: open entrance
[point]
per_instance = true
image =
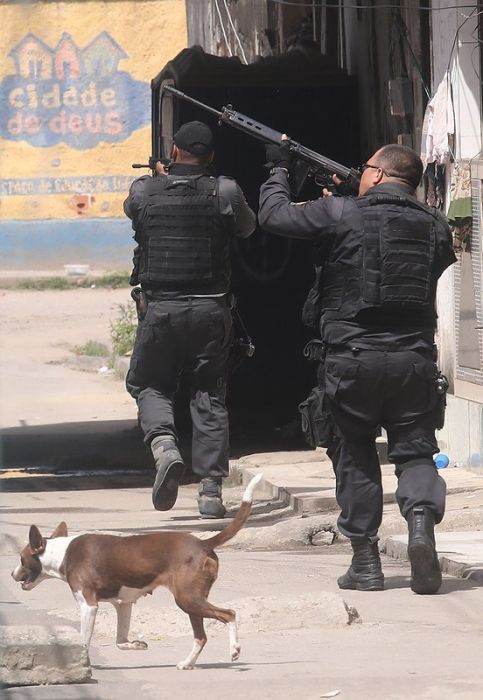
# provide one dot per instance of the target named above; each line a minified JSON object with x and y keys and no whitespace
{"x":300,"y":94}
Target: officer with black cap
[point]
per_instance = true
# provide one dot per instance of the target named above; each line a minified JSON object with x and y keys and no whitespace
{"x":379,"y":256}
{"x":184,"y":221}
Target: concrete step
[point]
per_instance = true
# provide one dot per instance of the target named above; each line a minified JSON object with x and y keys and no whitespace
{"x":37,"y":655}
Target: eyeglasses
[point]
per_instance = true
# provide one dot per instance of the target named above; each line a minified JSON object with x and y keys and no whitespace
{"x":364,"y":167}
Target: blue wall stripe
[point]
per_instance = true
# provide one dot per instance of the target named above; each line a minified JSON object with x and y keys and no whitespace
{"x":101,"y":243}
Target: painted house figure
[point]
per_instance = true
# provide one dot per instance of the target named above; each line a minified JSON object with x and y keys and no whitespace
{"x":101,"y":57}
{"x":33,"y":58}
{"x":67,"y":59}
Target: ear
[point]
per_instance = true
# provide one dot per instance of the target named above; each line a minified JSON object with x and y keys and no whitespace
{"x":378,"y":176}
{"x":36,"y":541}
{"x":60,"y":530}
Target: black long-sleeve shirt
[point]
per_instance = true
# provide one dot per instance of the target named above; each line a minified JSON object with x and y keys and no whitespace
{"x":328,"y":219}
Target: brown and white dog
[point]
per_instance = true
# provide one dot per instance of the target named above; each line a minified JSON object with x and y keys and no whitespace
{"x":119,"y":570}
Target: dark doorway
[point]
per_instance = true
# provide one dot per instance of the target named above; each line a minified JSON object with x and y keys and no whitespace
{"x":300,"y":94}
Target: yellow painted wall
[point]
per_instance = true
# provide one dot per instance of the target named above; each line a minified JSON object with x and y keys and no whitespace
{"x":149,"y":32}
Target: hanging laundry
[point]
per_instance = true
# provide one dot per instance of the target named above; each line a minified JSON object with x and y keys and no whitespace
{"x":459,"y":212}
{"x":438,"y":126}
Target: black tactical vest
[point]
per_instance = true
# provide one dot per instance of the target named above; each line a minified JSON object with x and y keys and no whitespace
{"x":385,"y":261}
{"x":185,"y":242}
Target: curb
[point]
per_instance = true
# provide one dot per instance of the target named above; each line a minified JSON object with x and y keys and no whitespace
{"x":308,"y":500}
{"x":464,"y":566}
{"x":301,"y":503}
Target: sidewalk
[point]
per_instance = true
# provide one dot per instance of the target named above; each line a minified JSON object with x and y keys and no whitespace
{"x":305,"y":482}
{"x":282,"y":568}
{"x":302,"y":483}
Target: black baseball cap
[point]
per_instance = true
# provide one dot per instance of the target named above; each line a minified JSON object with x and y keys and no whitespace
{"x":195,"y":137}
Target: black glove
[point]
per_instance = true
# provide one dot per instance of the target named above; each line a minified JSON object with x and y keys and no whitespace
{"x":347,"y":188}
{"x":277,"y":156}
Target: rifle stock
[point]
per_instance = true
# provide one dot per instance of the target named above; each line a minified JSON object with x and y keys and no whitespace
{"x":317,"y":166}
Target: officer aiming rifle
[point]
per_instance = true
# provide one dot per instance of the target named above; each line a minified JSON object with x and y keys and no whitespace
{"x":306,"y":163}
{"x":184,"y":220}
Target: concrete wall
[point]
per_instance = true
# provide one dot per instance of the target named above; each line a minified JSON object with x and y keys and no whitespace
{"x":462,"y":436}
{"x":220,"y":28}
{"x":75,"y":108}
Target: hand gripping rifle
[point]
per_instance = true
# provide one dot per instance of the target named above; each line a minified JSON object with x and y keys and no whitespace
{"x":308,"y":163}
{"x":152,"y":163}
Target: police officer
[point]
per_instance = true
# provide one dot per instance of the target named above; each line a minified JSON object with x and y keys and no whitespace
{"x":380,"y":257}
{"x":184,"y":221}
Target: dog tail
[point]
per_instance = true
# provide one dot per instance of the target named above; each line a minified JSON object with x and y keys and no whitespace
{"x":240,"y":518}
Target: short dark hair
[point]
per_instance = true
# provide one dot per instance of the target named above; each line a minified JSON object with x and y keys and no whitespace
{"x":401,"y":162}
{"x":198,"y":160}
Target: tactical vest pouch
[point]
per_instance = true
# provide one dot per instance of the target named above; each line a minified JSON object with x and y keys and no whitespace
{"x":317,"y":425}
{"x":186,"y":242}
{"x":333,"y":286}
{"x":406,"y":255}
{"x":174,"y":259}
{"x":398,"y":253}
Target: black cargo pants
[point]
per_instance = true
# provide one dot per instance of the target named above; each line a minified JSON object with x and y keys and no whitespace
{"x":396,"y":389}
{"x":190,"y":335}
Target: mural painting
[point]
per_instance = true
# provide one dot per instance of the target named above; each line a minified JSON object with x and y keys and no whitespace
{"x":75,"y":106}
{"x":71,"y":95}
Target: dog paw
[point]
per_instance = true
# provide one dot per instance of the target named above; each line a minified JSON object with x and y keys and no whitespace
{"x":183,"y":666}
{"x":135,"y":645}
{"x":235,"y":652}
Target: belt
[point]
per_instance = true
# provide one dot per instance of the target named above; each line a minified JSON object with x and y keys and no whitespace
{"x":387,"y":347}
{"x":157,"y":295}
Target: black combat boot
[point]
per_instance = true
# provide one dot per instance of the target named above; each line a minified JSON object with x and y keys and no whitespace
{"x":364,"y":573}
{"x":425,"y":569}
{"x":170,"y":468}
{"x":210,"y":503}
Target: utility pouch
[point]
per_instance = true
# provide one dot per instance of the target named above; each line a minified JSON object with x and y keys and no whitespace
{"x":141,"y":301}
{"x":442,"y":386}
{"x":317,"y":425}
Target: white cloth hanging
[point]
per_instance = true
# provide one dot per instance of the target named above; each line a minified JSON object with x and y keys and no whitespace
{"x":438,"y":126}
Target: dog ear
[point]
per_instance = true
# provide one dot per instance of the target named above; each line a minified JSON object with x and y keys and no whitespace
{"x":60,"y":530}
{"x":36,"y":541}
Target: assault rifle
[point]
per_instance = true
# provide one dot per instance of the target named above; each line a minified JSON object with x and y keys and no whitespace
{"x":307,"y":163}
{"x":151,"y":164}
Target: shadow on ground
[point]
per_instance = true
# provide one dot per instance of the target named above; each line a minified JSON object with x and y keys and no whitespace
{"x":115,"y":449}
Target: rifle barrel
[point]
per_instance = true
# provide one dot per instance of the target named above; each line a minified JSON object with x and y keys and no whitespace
{"x":264,"y":133}
{"x":187,"y":98}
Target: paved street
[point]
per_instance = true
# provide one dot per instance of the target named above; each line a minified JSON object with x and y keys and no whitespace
{"x":424,"y":647}
{"x":293,"y":621}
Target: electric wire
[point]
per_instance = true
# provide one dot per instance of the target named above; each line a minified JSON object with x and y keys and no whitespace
{"x":223,"y":28}
{"x":459,"y":28}
{"x":371,"y":7}
{"x":403,"y":31}
{"x":235,"y":32}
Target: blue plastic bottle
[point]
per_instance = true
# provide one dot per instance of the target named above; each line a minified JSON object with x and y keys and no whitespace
{"x":441,"y":461}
